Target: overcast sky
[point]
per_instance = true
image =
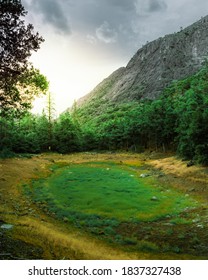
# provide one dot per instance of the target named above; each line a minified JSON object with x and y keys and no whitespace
{"x":86,"y":40}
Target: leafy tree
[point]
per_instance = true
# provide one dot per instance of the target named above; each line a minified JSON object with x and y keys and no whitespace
{"x":18,"y":78}
{"x":189,"y":101}
{"x":44,"y":132}
{"x":25,"y":138}
{"x":6,"y":133}
{"x":90,"y":139}
{"x":192,"y":125}
{"x":67,"y":135}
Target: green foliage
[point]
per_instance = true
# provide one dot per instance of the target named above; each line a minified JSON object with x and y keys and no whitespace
{"x":90,"y":140}
{"x":19,"y":81}
{"x":190,"y":100}
{"x":147,"y":246}
{"x":28,"y":134}
{"x":6,"y":153}
{"x":6,"y":134}
{"x":177,"y":120}
{"x":67,"y":135}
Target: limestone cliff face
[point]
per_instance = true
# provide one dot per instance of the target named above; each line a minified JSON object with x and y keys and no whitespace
{"x":156,"y":65}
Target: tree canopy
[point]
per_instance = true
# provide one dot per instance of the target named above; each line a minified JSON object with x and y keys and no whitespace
{"x":19,"y":81}
{"x":177,"y":121}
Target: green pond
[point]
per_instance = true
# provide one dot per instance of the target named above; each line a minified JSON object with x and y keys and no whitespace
{"x":80,"y":192}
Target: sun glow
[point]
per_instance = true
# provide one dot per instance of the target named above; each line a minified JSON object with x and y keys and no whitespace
{"x":73,"y":70}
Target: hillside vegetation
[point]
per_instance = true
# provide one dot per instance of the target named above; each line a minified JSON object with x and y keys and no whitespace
{"x":176,"y":121}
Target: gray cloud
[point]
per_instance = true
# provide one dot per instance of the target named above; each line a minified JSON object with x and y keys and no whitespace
{"x":106,"y":34}
{"x":108,"y":21}
{"x":149,"y":7}
{"x":156,"y":5}
{"x":122,"y":4}
{"x":119,"y":25}
{"x":52,"y":13}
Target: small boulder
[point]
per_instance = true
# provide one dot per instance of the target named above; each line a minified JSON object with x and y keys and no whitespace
{"x":154,"y":198}
{"x":196,"y":220}
{"x":7,"y":226}
{"x":144,"y":175}
{"x":200,"y":226}
{"x":65,"y":219}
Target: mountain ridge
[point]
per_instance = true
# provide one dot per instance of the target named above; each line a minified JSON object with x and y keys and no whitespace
{"x":154,"y":66}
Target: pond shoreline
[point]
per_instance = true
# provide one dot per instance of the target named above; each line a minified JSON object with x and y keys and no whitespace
{"x":34,"y":227}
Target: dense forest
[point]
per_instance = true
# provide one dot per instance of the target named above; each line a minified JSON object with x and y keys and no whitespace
{"x":175,"y":121}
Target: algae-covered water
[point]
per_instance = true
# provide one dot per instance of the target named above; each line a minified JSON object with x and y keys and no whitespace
{"x":108,"y":191}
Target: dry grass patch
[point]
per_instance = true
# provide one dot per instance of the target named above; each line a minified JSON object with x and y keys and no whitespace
{"x":192,"y":180}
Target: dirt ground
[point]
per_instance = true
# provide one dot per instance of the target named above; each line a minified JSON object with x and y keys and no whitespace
{"x":36,"y":235}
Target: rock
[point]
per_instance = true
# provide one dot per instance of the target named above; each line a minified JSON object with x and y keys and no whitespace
{"x":196,"y":220}
{"x":200,"y":226}
{"x":65,"y":219}
{"x":7,"y":226}
{"x":144,"y":175}
{"x":154,"y":198}
{"x":155,"y":66}
{"x":169,"y":224}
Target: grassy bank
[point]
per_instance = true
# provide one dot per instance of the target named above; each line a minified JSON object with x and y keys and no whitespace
{"x":98,"y":206}
{"x":106,"y":199}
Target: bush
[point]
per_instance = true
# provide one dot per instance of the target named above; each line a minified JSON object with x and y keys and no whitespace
{"x":202,"y":154}
{"x":6,"y":153}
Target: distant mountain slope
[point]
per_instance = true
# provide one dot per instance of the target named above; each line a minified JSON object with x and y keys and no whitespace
{"x":155,"y":66}
{"x":102,"y":89}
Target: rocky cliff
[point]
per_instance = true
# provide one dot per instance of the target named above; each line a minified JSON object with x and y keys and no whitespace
{"x":155,"y":66}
